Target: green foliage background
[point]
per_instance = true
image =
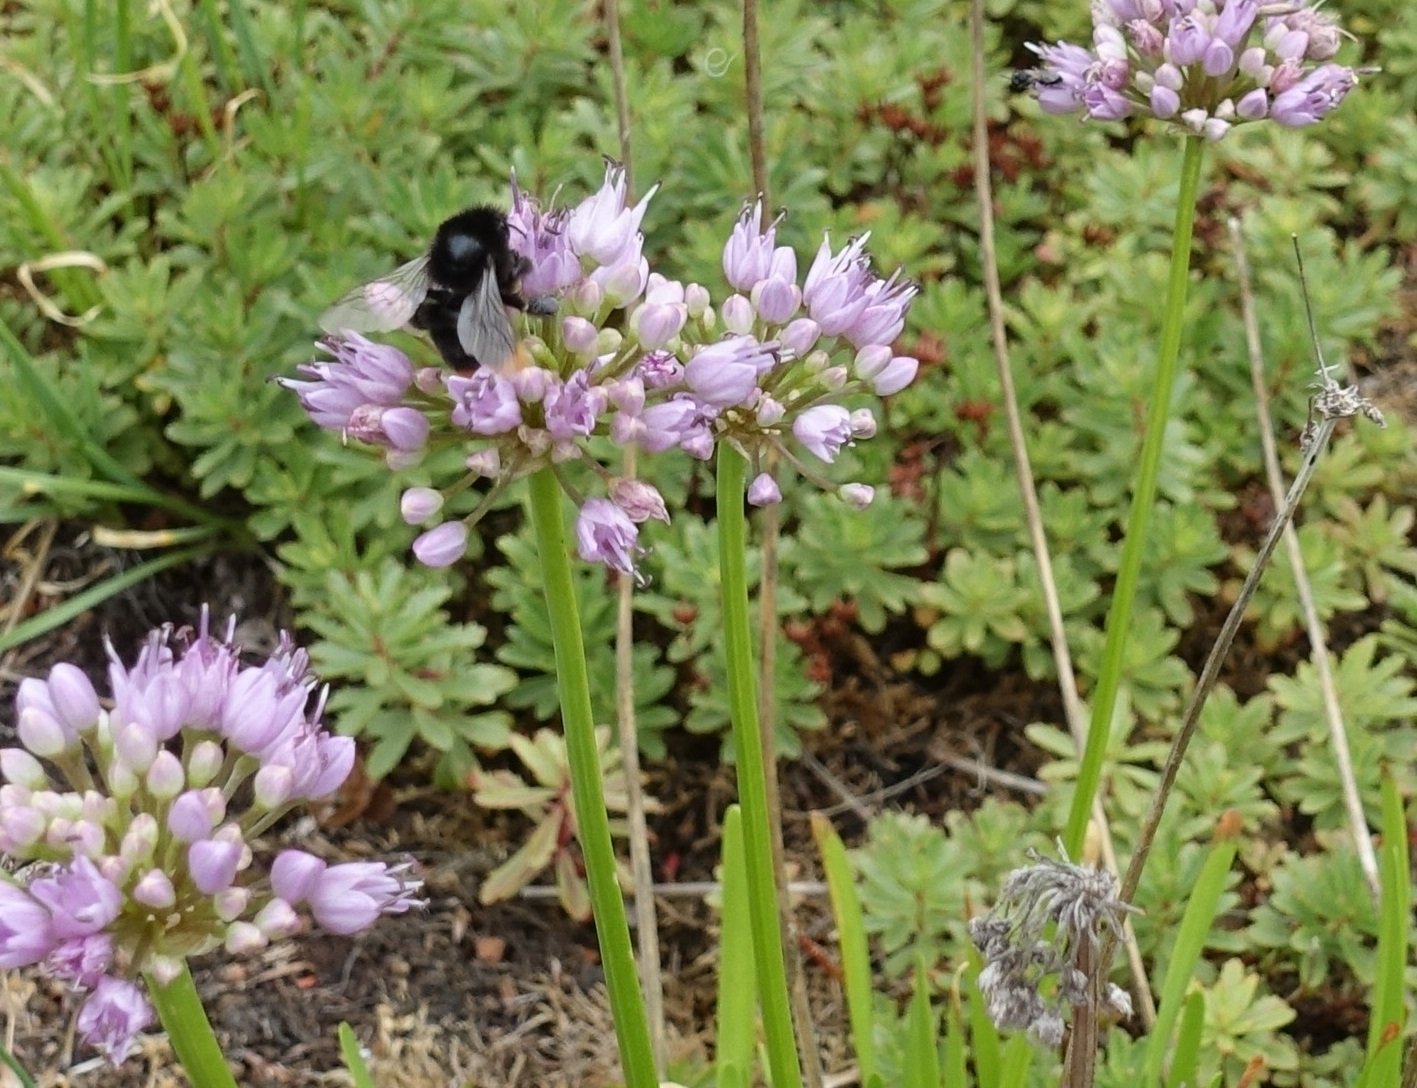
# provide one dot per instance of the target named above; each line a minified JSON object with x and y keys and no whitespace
{"x":290,"y":150}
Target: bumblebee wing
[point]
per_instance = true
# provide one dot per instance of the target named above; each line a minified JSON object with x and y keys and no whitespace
{"x":381,"y":305}
{"x":484,"y":330}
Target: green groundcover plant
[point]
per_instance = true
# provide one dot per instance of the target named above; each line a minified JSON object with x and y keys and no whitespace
{"x":188,"y":190}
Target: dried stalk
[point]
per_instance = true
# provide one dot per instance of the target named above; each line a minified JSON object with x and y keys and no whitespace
{"x":1318,"y":643}
{"x":646,"y":922}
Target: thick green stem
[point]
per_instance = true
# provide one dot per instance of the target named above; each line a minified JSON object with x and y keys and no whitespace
{"x":190,"y":1032}
{"x":752,"y":778}
{"x":1119,"y":616}
{"x":593,"y":824}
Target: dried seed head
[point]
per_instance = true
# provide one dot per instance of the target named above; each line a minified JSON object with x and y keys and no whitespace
{"x":1047,"y":925}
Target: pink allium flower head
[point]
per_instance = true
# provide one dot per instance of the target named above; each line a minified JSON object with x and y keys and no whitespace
{"x":124,"y":846}
{"x":677,"y":371}
{"x":1234,"y":62}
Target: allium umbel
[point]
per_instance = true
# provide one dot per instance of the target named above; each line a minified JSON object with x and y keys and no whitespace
{"x":1206,"y":65}
{"x":143,"y":856}
{"x":779,"y":366}
{"x":1041,"y":946}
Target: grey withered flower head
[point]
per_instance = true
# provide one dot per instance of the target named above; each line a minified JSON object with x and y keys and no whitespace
{"x":1048,"y":922}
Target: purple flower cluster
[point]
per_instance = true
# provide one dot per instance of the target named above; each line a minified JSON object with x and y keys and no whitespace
{"x":1204,"y":64}
{"x":141,"y":856}
{"x":768,"y":370}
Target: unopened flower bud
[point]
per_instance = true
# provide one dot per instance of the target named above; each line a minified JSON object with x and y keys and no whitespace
{"x":21,"y":768}
{"x":213,"y":864}
{"x":231,"y":903}
{"x":737,"y":314}
{"x":277,"y":919}
{"x":243,"y":937}
{"x":579,"y":335}
{"x":586,"y":297}
{"x":42,"y":733}
{"x":857,"y":496}
{"x":608,"y":341}
{"x":418,"y":504}
{"x":273,"y":786}
{"x":442,"y":546}
{"x":696,"y":299}
{"x":799,"y":336}
{"x":204,"y":763}
{"x":769,"y":411}
{"x":154,"y":889}
{"x":165,"y":777}
{"x":74,"y":697}
{"x":763,"y":491}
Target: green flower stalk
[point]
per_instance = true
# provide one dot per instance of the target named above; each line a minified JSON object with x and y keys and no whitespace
{"x":1119,"y":615}
{"x":592,"y":820}
{"x":752,"y":776}
{"x":1203,"y":66}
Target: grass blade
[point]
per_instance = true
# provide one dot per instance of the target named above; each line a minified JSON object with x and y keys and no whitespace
{"x":737,"y":1004}
{"x":851,"y":935}
{"x":1018,"y":1058}
{"x":1190,"y":940}
{"x":92,"y":597}
{"x":26,"y":1081}
{"x":353,"y":1059}
{"x":955,"y":1074}
{"x":983,"y":1035}
{"x":1185,"y":1060}
{"x":921,"y":1068}
{"x":1383,"y":1065}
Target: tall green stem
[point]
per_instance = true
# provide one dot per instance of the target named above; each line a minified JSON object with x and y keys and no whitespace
{"x":190,"y":1032}
{"x":752,"y":778}
{"x":616,"y":953}
{"x":1119,"y":616}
